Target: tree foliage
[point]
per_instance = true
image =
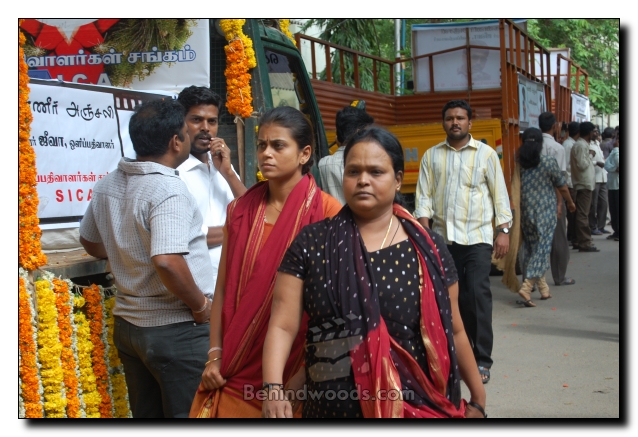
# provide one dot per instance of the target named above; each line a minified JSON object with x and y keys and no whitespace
{"x":594,"y":45}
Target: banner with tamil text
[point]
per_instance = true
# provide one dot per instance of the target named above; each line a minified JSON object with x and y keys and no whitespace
{"x":75,"y":135}
{"x":140,"y":54}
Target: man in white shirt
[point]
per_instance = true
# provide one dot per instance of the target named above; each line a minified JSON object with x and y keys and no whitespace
{"x":598,"y":208}
{"x":348,"y":121}
{"x":207,"y":172}
{"x":573,"y":130}
{"x":559,"y":257}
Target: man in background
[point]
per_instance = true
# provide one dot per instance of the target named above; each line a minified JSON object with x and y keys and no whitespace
{"x":207,"y":172}
{"x":583,"y":178}
{"x":559,"y":256}
{"x":457,"y":177}
{"x":573,"y":132}
{"x":349,"y":120}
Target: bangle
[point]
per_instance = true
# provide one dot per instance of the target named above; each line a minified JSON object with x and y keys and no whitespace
{"x":202,"y":308}
{"x":213,"y":349}
{"x":210,"y":361}
{"x":478,"y":407}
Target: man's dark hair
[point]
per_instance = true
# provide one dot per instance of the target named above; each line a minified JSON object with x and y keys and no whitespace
{"x":608,"y":133}
{"x":300,"y":128}
{"x":349,"y":120}
{"x":153,"y":126}
{"x":545,"y":121}
{"x":458,"y":104}
{"x":198,"y":95}
{"x":573,"y":128}
{"x":586,"y":128}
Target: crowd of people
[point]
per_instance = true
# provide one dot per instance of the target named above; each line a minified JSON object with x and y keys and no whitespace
{"x":283,"y":300}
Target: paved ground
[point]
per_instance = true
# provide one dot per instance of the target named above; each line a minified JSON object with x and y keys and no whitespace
{"x":560,"y":359}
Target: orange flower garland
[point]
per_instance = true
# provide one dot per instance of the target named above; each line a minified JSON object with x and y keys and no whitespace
{"x":240,"y":57}
{"x":28,"y":370}
{"x":30,"y":254}
{"x":94,"y":311}
{"x":116,"y":370}
{"x":91,"y":398}
{"x":64,"y":304}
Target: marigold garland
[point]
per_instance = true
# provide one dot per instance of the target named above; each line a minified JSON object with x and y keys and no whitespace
{"x":284,"y":25}
{"x":93,"y":297}
{"x":31,"y":388}
{"x":116,"y":371}
{"x":30,"y":254}
{"x":90,"y":395}
{"x":64,"y":304}
{"x":240,"y":57}
{"x":50,"y":350}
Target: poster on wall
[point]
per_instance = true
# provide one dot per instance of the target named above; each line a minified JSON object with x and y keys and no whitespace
{"x":78,"y":133}
{"x":580,"y":108}
{"x":140,"y":54}
{"x":531,"y":102}
{"x":450,"y":69}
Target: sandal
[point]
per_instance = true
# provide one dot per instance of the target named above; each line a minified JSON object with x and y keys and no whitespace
{"x":567,"y":281}
{"x":527,"y":301}
{"x":485,"y":374}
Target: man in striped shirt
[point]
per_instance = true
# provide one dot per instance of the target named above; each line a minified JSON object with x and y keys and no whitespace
{"x":462,"y":189}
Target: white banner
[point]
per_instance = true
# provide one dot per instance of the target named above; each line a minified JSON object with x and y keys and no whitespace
{"x":450,"y":69}
{"x":75,"y":137}
{"x":580,"y":108}
{"x":531,"y":102}
{"x":121,"y":52}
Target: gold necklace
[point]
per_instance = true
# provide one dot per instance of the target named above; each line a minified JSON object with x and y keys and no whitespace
{"x":275,"y":207}
{"x":386,"y":233}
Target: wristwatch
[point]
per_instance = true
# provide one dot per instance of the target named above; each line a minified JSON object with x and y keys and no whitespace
{"x":503,"y":230}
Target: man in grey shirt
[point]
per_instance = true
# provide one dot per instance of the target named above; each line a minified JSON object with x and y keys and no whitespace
{"x":144,"y":220}
{"x":559,"y":256}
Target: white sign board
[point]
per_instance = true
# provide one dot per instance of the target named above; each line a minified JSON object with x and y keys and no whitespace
{"x":531,"y":102}
{"x":580,"y":108}
{"x":450,"y":69}
{"x":75,"y":137}
{"x":78,"y":133}
{"x":106,"y":51}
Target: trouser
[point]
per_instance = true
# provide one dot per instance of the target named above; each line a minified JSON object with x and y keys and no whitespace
{"x":473,"y":264}
{"x":614,"y":211}
{"x":571,"y":218}
{"x":559,"y":256}
{"x":583,"y":231}
{"x":598,"y":207}
{"x":163,"y":366}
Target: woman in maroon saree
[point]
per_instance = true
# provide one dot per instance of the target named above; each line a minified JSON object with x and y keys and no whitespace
{"x":385,"y":336}
{"x":260,"y":226}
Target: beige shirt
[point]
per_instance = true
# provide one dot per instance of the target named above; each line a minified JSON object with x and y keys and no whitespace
{"x":583,"y":176}
{"x":600,"y":174}
{"x":462,"y":191}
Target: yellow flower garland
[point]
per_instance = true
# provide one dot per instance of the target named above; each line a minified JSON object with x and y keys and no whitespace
{"x":240,"y":57}
{"x":284,"y":25}
{"x":50,"y":350}
{"x":30,"y":254}
{"x":116,"y":371}
{"x":90,"y":394}
{"x":30,"y":386}
{"x":64,"y":304}
{"x":93,"y":296}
